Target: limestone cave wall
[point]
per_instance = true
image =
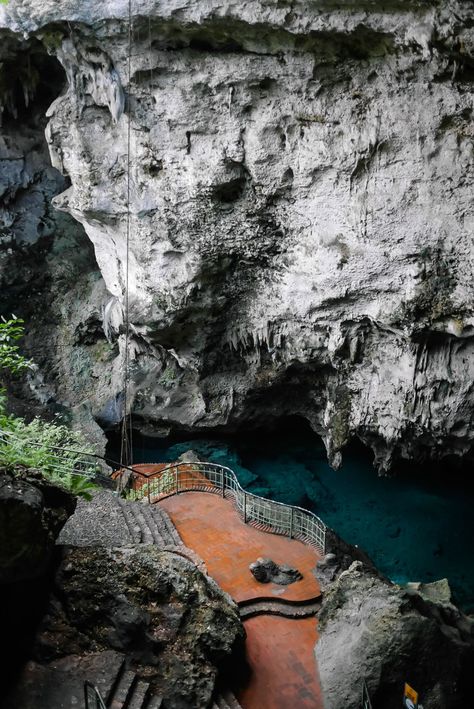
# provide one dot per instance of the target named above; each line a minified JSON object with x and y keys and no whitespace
{"x":301,"y":214}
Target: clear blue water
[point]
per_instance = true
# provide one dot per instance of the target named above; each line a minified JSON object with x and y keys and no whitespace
{"x":416,"y":527}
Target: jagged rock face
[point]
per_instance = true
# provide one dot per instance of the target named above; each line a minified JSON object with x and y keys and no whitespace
{"x":48,"y":272}
{"x":175,"y":624}
{"x":371,"y":629}
{"x":301,"y":213}
{"x":32,"y":513}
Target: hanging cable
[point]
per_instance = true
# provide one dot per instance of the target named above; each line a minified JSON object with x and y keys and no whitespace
{"x":126,"y":455}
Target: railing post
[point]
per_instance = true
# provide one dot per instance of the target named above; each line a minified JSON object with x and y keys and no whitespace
{"x":245,"y":507}
{"x":223,"y":482}
{"x":291,"y":522}
{"x":177,"y":478}
{"x":148,"y":492}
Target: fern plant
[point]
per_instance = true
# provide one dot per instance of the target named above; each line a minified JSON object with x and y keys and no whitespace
{"x":62,"y":455}
{"x":10,"y":332}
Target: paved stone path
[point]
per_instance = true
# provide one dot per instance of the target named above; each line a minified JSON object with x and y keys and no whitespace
{"x":280,"y":651}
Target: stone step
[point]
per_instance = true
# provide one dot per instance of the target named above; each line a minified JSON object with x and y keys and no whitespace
{"x":130,"y":692}
{"x":137,"y":512}
{"x":226,"y":700}
{"x":115,"y":674}
{"x":231,"y":700}
{"x":140,"y":696}
{"x":130,"y":520}
{"x":153,"y":702}
{"x":284,"y":610}
{"x":168,"y":524}
{"x":124,"y":690}
{"x":156,"y":529}
{"x":149,"y":524}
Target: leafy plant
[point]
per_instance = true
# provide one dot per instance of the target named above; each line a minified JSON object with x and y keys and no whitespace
{"x":10,"y":332}
{"x":163,"y":483}
{"x":60,"y":454}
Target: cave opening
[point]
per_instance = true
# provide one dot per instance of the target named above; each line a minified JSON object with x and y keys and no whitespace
{"x":30,"y":80}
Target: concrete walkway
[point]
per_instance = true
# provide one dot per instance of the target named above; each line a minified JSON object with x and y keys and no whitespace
{"x":280,"y":651}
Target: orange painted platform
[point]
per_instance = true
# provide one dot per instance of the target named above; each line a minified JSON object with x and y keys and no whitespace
{"x":280,"y":651}
{"x":212,"y":527}
{"x":280,"y":654}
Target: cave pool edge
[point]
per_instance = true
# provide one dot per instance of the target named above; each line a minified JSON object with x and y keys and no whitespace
{"x":416,"y":526}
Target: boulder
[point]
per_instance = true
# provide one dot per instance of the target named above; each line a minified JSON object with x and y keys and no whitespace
{"x":372,"y":629}
{"x":267,"y":571}
{"x":32,"y":513}
{"x":189,"y":456}
{"x":174,"y":624}
{"x":436,"y":591}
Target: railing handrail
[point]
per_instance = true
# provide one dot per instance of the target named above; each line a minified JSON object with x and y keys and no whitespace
{"x":318,"y":537}
{"x":109,"y":461}
{"x":99,"y":702}
{"x":220,"y":484}
{"x":218,"y":466}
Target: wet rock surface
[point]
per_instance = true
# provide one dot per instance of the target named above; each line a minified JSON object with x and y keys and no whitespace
{"x":374,"y":630}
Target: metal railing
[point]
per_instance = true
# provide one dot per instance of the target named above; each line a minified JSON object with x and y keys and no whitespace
{"x":59,"y":460}
{"x":92,"y":697}
{"x":366,"y":703}
{"x":274,"y":517}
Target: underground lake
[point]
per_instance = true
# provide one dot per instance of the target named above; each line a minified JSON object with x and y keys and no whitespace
{"x":416,"y":526}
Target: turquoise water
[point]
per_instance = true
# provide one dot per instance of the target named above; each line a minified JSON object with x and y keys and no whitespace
{"x":416,"y":527}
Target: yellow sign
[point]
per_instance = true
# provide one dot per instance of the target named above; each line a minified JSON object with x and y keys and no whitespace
{"x":410,"y":696}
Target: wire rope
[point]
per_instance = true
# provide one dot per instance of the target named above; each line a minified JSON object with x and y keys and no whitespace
{"x":126,"y":453}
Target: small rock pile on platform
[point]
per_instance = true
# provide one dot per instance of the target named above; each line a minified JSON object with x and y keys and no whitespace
{"x":267,"y":571}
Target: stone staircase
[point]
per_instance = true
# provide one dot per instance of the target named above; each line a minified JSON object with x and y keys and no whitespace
{"x":226,"y":700}
{"x":130,"y":692}
{"x":60,"y":685}
{"x":149,"y":524}
{"x":110,"y":520}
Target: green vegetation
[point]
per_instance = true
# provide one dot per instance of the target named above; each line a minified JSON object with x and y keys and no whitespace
{"x":10,"y":332}
{"x":33,"y":444}
{"x":162,"y":484}
{"x":52,"y":40}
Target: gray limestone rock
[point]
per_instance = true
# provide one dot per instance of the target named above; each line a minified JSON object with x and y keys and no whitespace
{"x":301,"y":212}
{"x":372,"y":629}
{"x":174,"y":624}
